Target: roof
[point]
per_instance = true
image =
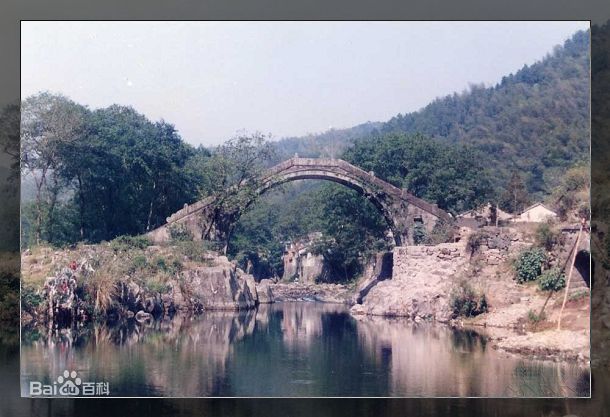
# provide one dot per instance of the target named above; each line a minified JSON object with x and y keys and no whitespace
{"x":536,"y":205}
{"x":484,"y":207}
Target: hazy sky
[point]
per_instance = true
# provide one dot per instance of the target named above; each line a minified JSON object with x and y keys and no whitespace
{"x":213,"y":79}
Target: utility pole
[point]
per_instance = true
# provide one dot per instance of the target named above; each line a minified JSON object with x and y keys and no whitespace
{"x":565,"y":295}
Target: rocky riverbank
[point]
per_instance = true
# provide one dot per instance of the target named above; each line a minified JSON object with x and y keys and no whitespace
{"x":325,"y":293}
{"x":130,"y":279}
{"x":426,"y":280}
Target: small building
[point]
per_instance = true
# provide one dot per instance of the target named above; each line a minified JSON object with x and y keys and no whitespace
{"x":536,"y":213}
{"x":483,"y":215}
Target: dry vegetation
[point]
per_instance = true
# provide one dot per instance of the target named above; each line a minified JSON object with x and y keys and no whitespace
{"x":102,"y":267}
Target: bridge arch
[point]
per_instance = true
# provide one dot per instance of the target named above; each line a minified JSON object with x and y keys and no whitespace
{"x":399,"y":208}
{"x":339,"y":172}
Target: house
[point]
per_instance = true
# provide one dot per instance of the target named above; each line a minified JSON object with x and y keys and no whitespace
{"x":536,"y":213}
{"x":483,"y":215}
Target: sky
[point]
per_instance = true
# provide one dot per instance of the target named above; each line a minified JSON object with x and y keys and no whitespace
{"x":213,"y":80}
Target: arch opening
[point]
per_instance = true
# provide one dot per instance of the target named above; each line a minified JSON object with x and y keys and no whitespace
{"x":338,"y":179}
{"x":583,"y":265}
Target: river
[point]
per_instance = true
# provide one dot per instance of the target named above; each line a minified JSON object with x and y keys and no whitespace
{"x":300,"y":349}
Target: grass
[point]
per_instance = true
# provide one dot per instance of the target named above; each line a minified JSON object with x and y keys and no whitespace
{"x":535,"y":318}
{"x":578,"y":295}
{"x":150,"y":266}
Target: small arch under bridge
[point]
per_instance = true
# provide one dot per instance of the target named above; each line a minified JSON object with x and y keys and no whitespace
{"x":401,"y":209}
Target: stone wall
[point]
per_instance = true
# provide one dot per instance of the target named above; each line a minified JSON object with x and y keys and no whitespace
{"x":423,"y":276}
{"x":420,"y":286}
{"x":407,"y":257}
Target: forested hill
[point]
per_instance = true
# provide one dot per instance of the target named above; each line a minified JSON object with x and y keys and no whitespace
{"x":535,"y":121}
{"x":331,"y":143}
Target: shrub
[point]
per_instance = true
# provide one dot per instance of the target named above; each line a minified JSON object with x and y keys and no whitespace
{"x":419,"y":234}
{"x":534,"y":317}
{"x":474,"y":242}
{"x":31,"y":299}
{"x":139,"y":262}
{"x":467,"y":302}
{"x":579,"y":295}
{"x":441,"y":232}
{"x":528,"y":265}
{"x":158,"y":286}
{"x":179,"y":233}
{"x":546,"y":236}
{"x":176,"y":265}
{"x":552,"y":280}
{"x":124,"y":243}
{"x":193,"y":250}
{"x":160,"y":264}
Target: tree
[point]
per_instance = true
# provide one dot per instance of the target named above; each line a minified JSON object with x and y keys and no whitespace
{"x":448,"y":175}
{"x":515,"y":198}
{"x":232,"y":175}
{"x":128,"y":173}
{"x":9,"y":171}
{"x":48,"y":122}
{"x":103,"y":173}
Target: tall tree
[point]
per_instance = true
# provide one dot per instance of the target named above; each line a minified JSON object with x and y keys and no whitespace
{"x":232,"y":175}
{"x":48,"y":122}
{"x":515,"y":198}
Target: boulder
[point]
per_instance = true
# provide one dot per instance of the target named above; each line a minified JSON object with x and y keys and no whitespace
{"x":265,"y":294}
{"x":217,"y":287}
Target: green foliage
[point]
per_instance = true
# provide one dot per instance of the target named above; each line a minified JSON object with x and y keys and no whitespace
{"x":233,"y":176}
{"x":442,"y":232}
{"x":169,"y":267}
{"x":104,"y":173}
{"x":467,"y":302}
{"x":139,"y":262}
{"x":552,"y":280}
{"x":528,"y":266}
{"x":9,"y":291}
{"x":535,"y":121}
{"x":193,"y":250}
{"x":535,"y":318}
{"x":124,"y":243}
{"x":157,"y":286}
{"x":449,"y":175}
{"x":352,"y":229}
{"x":419,"y":234}
{"x":578,"y":295}
{"x":31,"y":298}
{"x":571,"y":196}
{"x":547,"y":236}
{"x":515,"y":198}
{"x":179,"y":232}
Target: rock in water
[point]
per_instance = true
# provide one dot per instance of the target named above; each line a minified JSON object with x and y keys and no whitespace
{"x":218,"y":287}
{"x":265,"y":295}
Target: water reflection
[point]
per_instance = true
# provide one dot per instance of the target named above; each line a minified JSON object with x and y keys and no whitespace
{"x":291,"y":349}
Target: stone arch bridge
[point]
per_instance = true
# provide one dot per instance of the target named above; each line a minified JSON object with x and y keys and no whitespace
{"x":400,"y":209}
